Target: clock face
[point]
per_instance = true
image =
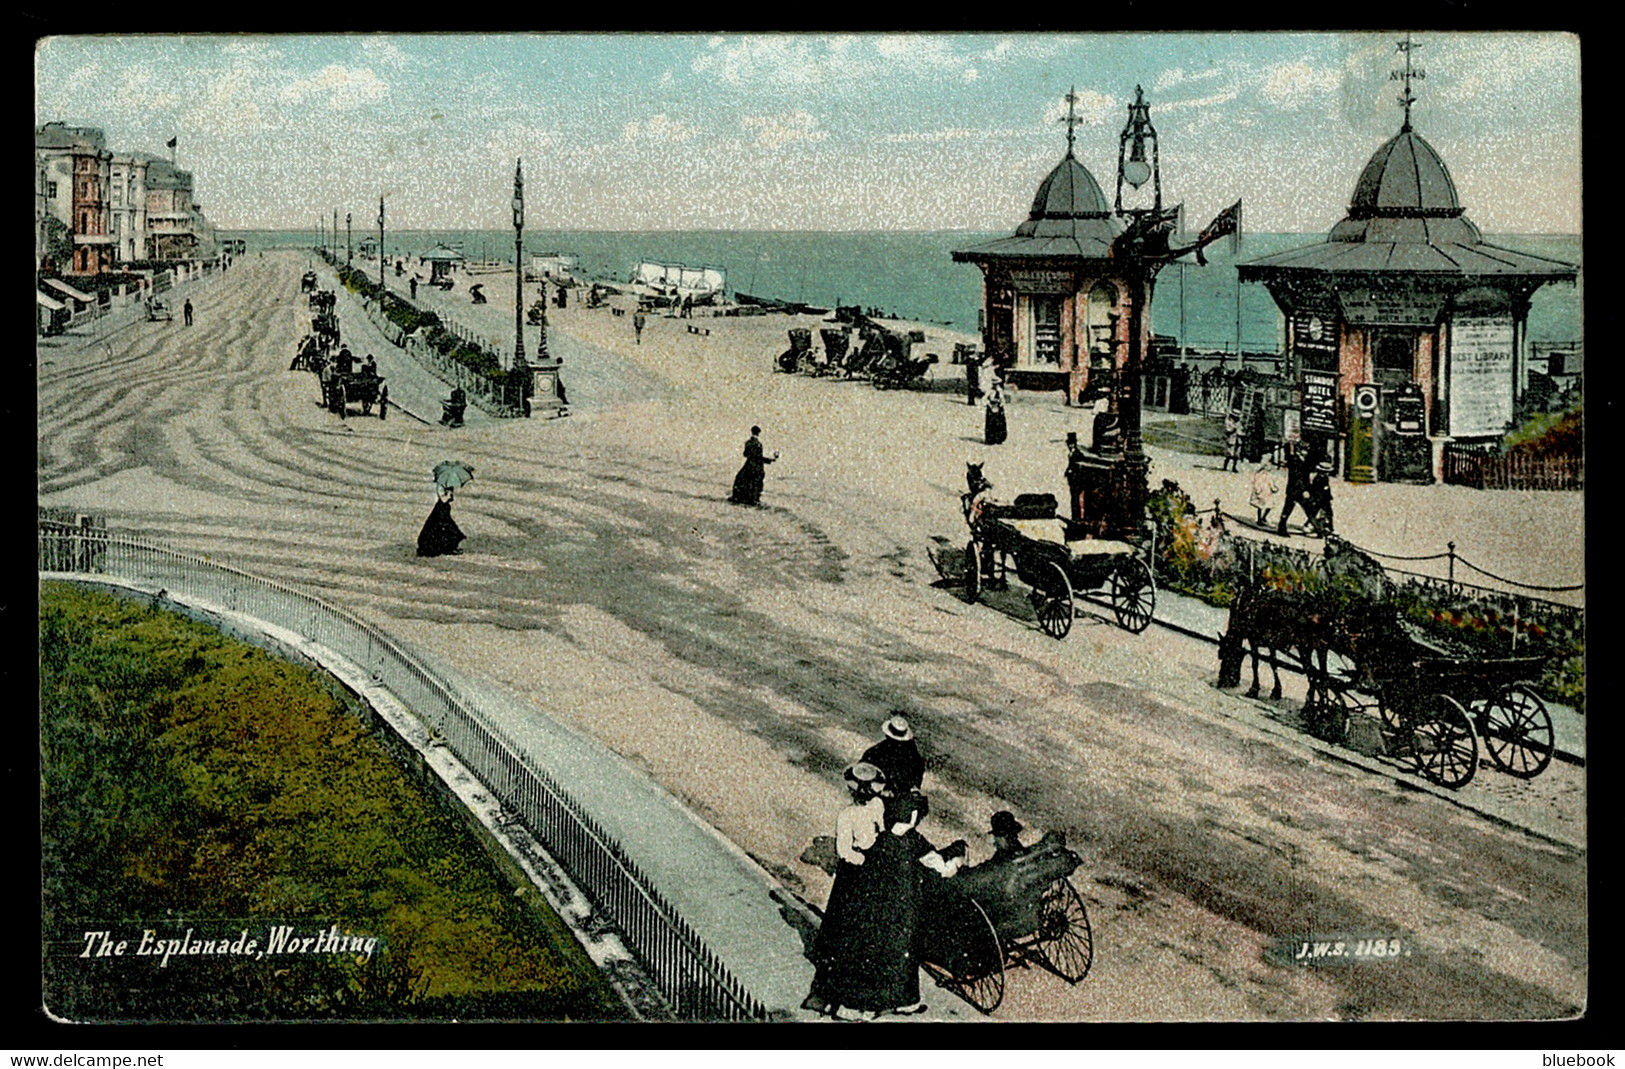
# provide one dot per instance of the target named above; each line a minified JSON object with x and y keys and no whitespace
{"x":1317,"y":329}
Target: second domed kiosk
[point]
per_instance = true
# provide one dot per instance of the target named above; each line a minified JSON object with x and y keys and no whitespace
{"x":1406,"y":330}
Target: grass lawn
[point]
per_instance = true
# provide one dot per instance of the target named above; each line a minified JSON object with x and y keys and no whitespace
{"x":191,"y":782}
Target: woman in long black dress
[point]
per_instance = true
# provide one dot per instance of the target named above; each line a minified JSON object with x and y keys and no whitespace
{"x":994,"y":429}
{"x":748,"y":483}
{"x":849,"y":981}
{"x":440,"y":534}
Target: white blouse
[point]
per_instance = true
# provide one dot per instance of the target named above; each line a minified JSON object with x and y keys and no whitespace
{"x":856,"y":829}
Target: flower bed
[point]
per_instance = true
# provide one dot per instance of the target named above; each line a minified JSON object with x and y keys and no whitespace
{"x":1198,"y":556}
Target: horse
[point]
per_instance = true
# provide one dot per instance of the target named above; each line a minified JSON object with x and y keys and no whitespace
{"x":1266,"y":621}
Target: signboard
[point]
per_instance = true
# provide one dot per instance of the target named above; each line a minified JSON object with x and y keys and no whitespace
{"x":1043,"y":281}
{"x":1402,"y":307}
{"x":1480,"y":376}
{"x":1319,"y":402}
{"x":1314,"y":339}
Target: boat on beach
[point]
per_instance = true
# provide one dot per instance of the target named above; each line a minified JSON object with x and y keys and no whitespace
{"x":677,"y":282}
{"x":773,"y":304}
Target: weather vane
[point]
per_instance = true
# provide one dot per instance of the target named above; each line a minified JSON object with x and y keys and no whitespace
{"x":1071,"y":119}
{"x":1407,"y":98}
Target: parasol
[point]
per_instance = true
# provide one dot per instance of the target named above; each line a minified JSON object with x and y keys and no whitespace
{"x":452,"y":473}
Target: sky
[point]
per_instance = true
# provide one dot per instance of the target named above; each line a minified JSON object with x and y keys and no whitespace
{"x":810,"y":132}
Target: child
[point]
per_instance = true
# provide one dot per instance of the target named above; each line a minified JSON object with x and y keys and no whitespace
{"x":1264,"y":489}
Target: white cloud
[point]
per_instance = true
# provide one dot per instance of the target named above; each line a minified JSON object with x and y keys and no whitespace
{"x":386,"y":53}
{"x":343,"y":87}
{"x":1179,"y":76}
{"x":953,"y":133}
{"x":660,"y":129}
{"x":773,"y":131}
{"x":1292,"y":85}
{"x":829,"y":63}
{"x":1224,"y":97}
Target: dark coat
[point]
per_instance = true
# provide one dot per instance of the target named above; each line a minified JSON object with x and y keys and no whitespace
{"x":440,"y":532}
{"x":900,"y":761}
{"x":748,"y":483}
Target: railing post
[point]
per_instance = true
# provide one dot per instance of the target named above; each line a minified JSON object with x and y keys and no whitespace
{"x":1450,"y":548}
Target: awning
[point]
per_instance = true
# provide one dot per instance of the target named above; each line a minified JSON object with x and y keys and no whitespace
{"x":48,"y":302}
{"x":70,"y":291}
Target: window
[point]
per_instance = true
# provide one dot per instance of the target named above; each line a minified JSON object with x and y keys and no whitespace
{"x":1047,"y":330}
{"x":50,"y":190}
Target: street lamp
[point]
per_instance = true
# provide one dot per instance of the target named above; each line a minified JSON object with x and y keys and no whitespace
{"x":518,"y":263}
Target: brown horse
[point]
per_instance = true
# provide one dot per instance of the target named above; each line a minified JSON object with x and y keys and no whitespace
{"x":1267,"y":621}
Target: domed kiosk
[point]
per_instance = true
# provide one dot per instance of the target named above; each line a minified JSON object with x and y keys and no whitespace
{"x":1053,"y":300}
{"x":1406,"y":330}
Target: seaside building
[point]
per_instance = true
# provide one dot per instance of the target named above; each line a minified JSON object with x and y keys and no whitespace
{"x":72,"y":176}
{"x":127,"y":207}
{"x":176,"y":223}
{"x":1406,"y":330}
{"x":1054,"y":315}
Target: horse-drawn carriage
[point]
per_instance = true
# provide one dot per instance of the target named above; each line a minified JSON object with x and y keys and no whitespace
{"x":1013,"y":912}
{"x":158,"y":310}
{"x":1053,"y":558}
{"x":364,"y":388}
{"x":1376,"y":681}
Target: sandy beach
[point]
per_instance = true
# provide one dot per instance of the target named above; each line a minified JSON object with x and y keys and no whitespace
{"x":743,"y":656}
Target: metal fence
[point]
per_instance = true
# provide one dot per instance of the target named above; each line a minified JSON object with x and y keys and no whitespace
{"x":696,"y":984}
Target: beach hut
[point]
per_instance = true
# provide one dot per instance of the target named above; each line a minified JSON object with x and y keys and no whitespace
{"x":53,"y":315}
{"x":443,"y":261}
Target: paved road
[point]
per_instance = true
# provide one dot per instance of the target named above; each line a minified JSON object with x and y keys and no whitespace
{"x":742,"y":656}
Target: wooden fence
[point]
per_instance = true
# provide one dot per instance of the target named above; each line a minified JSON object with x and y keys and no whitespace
{"x":1513,"y":471}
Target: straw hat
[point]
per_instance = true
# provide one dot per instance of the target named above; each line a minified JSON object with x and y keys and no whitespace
{"x":897,"y":728}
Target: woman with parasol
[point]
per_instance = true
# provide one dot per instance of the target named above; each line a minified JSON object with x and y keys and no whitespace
{"x":440,"y":534}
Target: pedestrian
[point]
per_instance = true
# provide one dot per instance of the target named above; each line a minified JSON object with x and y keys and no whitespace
{"x":1318,"y":499}
{"x":187,"y":311}
{"x":440,"y":534}
{"x":898,"y":756}
{"x":1264,"y":488}
{"x":383,"y":403}
{"x":638,"y":319}
{"x":748,"y":483}
{"x":973,"y":378}
{"x":1297,"y":482}
{"x":994,"y":429}
{"x":1232,"y":442}
{"x":413,"y":284}
{"x":688,"y":306}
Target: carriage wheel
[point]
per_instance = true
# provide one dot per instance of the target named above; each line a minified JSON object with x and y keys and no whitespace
{"x":1065,"y":940}
{"x":1444,"y":746}
{"x":1517,"y":732}
{"x":1055,"y":606}
{"x":977,"y":975}
{"x":973,"y":571}
{"x":1326,"y":708}
{"x":1133,"y":594}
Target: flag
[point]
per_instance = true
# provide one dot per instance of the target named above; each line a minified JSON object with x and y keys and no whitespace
{"x":1226,"y":222}
{"x":171,"y":142}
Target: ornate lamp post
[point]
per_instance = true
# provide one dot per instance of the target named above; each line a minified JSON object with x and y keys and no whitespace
{"x":1143,"y":250}
{"x":349,"y":244}
{"x":518,"y":263}
{"x":519,"y":377}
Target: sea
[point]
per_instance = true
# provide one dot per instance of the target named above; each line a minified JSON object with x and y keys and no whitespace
{"x":911,"y":275}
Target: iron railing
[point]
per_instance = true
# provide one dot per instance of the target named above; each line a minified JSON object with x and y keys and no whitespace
{"x":689,"y":974}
